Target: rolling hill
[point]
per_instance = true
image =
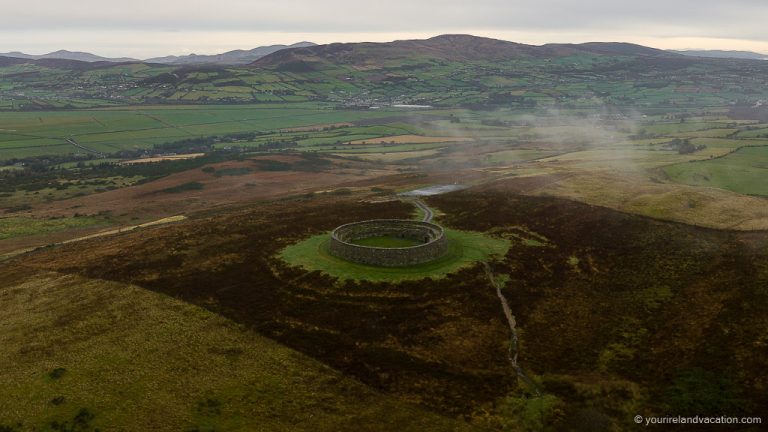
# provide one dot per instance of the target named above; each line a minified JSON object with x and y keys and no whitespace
{"x":744,"y":55}
{"x":89,"y":363}
{"x":457,"y":48}
{"x":445,"y":71}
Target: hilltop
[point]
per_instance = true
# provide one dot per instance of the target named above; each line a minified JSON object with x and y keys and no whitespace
{"x":457,"y":48}
{"x":445,"y":47}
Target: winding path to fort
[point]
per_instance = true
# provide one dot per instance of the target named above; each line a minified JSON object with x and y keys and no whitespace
{"x":428,"y":214}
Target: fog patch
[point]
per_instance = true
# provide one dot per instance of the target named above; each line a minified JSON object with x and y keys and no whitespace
{"x":433,"y":190}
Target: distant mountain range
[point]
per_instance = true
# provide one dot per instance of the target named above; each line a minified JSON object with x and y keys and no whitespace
{"x":231,"y":57}
{"x":745,"y":55}
{"x":68,"y":55}
{"x":457,"y":47}
{"x":236,"y":57}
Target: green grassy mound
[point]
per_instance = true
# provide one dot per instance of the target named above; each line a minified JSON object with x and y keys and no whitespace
{"x":464,"y":248}
{"x":386,"y":242}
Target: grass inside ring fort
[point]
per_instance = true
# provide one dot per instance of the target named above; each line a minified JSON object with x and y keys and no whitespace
{"x":464,"y":248}
{"x":386,"y":242}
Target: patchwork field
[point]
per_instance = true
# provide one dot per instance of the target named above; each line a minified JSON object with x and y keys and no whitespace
{"x":602,"y":163}
{"x":134,"y":128}
{"x":743,"y":171}
{"x":636,"y":194}
{"x":412,"y":139}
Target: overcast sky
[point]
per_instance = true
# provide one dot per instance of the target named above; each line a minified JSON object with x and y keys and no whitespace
{"x":146,"y":28}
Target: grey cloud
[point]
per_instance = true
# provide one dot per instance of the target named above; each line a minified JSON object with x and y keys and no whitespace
{"x":735,"y":19}
{"x":732,"y":18}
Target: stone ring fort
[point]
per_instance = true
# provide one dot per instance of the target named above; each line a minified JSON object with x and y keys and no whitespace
{"x":429,"y":242}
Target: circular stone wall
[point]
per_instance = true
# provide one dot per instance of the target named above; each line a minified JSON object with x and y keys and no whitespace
{"x":433,"y":243}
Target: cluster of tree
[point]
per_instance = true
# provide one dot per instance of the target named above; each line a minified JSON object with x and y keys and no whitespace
{"x":643,"y":134}
{"x":494,"y":122}
{"x":685,"y":146}
{"x":504,"y":98}
{"x":41,"y":163}
{"x":278,"y":145}
{"x":205,"y":144}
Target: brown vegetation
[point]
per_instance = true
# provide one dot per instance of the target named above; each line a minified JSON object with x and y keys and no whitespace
{"x":611,"y":309}
{"x":253,"y":179}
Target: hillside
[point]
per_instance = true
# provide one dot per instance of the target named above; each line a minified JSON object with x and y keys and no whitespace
{"x":445,"y":71}
{"x":85,"y":354}
{"x":455,"y":48}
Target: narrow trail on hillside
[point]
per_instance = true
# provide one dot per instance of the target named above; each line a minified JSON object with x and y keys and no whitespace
{"x":110,"y":232}
{"x":512,"y":353}
{"x":513,"y":340}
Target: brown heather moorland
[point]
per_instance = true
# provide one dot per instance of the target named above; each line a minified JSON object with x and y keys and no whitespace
{"x":618,"y":314}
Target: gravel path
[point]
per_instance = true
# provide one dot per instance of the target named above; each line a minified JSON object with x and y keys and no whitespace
{"x":428,"y":215}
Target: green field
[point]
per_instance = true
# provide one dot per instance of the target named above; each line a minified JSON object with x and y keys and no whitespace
{"x":385,"y":242}
{"x":744,"y":171}
{"x":11,"y":227}
{"x":107,"y":131}
{"x":465,"y":248}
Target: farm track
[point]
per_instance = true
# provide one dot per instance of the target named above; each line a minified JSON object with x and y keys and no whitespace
{"x":165,"y":123}
{"x":82,"y":147}
{"x":162,"y":221}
